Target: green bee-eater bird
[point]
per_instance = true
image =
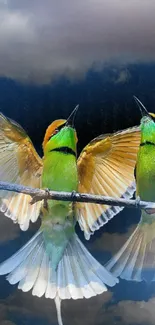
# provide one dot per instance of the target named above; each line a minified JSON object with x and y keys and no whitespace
{"x":136,"y":259}
{"x":54,"y":262}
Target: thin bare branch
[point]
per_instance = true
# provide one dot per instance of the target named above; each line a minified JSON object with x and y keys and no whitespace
{"x":39,"y":194}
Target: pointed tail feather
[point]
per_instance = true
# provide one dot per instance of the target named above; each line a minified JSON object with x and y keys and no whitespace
{"x":136,"y":259}
{"x":78,"y":274}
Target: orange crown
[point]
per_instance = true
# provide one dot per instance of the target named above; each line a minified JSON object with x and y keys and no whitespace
{"x":51,"y":130}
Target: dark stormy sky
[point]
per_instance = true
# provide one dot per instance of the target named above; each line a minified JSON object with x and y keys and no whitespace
{"x":41,"y":39}
{"x":54,"y":55}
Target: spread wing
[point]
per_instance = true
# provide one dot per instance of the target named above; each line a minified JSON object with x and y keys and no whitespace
{"x":19,"y":163}
{"x":106,"y":167}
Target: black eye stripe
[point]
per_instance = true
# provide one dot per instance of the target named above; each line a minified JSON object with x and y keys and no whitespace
{"x":147,"y":143}
{"x":65,"y":150}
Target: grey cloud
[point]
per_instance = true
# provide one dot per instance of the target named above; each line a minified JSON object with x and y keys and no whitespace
{"x":129,"y":312}
{"x":111,"y":242}
{"x":97,"y":310}
{"x":8,"y":230}
{"x":82,"y":311}
{"x":123,"y":76}
{"x":4,"y":315}
{"x":42,"y":39}
{"x":134,"y":312}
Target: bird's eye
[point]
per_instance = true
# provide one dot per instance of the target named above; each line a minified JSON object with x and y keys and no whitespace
{"x":55,"y":131}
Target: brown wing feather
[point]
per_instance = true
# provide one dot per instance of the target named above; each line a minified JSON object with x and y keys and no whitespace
{"x":106,"y":167}
{"x":19,"y":163}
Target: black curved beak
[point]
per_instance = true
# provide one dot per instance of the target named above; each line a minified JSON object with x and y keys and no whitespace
{"x":71,"y":118}
{"x":142,"y":108}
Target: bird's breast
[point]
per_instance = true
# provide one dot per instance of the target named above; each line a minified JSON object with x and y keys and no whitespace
{"x":60,"y":172}
{"x":145,"y":173}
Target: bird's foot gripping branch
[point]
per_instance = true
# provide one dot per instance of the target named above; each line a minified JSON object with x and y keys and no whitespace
{"x":45,"y":194}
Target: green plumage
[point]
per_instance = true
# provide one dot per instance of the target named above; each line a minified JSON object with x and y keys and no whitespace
{"x":54,"y":262}
{"x":59,"y":174}
{"x":136,"y":259}
{"x":145,"y":169}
